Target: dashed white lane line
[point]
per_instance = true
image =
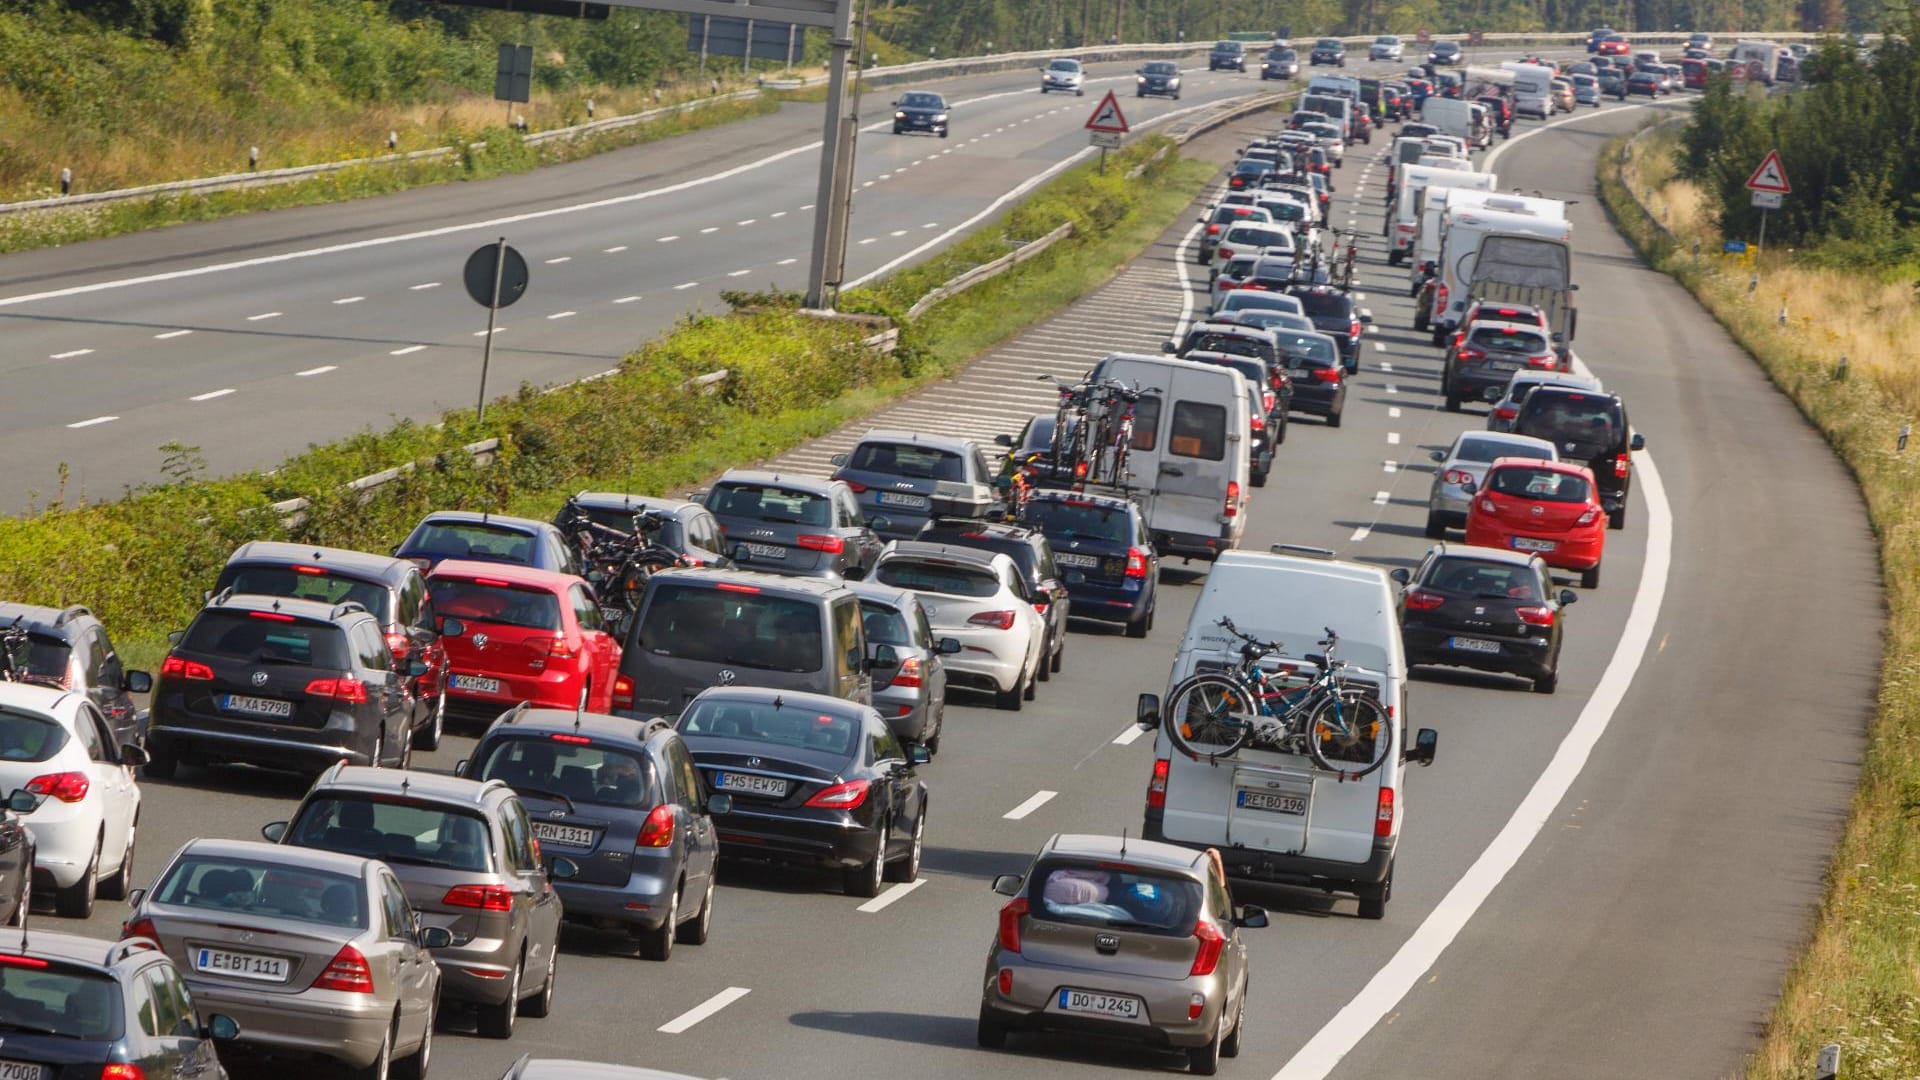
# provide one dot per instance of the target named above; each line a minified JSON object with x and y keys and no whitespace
{"x":70,"y":354}
{"x":1384,"y":364}
{"x":484,"y":333}
{"x":710,"y":229}
{"x":312,"y":371}
{"x":891,"y":896}
{"x":211,"y":394}
{"x":1380,"y":497}
{"x":868,"y":184}
{"x":1392,"y":389}
{"x":349,"y":300}
{"x":1389,"y":466}
{"x":685,"y":285}
{"x":1393,"y":413}
{"x":1038,"y":800}
{"x":870,"y":239}
{"x":1360,"y":533}
{"x":1381,"y":346}
{"x":931,"y":225}
{"x":747,"y":221}
{"x":898,"y":232}
{"x":171,"y":334}
{"x":423,"y":286}
{"x":786,"y":262}
{"x":614,"y":250}
{"x":408,"y":351}
{"x":558,"y":259}
{"x":1393,"y":438}
{"x":738,"y":273}
{"x":1129,"y":736}
{"x":264,"y":316}
{"x":703,"y":1010}
{"x":808,"y":206}
{"x":626,"y":299}
{"x":562,"y":315}
{"x":778,"y":214}
{"x":665,"y":239}
{"x":1359,"y":296}
{"x":92,"y":422}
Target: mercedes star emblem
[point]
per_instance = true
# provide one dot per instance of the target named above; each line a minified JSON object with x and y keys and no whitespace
{"x":479,"y":641}
{"x":259,"y":678}
{"x":727,"y":677}
{"x":754,"y":762}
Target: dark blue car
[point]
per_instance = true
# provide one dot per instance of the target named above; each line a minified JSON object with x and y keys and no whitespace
{"x":460,"y":534}
{"x":1103,"y":549}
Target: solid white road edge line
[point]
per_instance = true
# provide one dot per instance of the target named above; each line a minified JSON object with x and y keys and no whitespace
{"x":1186,"y":283}
{"x":703,"y":1010}
{"x":95,"y":420}
{"x":887,"y":899}
{"x":1038,"y":800}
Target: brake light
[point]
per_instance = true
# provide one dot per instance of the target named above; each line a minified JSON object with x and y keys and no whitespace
{"x":1266,"y":400}
{"x":622,"y":692}
{"x":1591,"y":515}
{"x":1040,"y":606}
{"x":175,"y":667}
{"x":569,"y":739}
{"x":1440,"y":293}
{"x":119,"y":1071}
{"x":1260,"y":422}
{"x":909,"y":674}
{"x":1080,"y":470}
{"x":1327,"y":374}
{"x":1157,"y":785}
{"x":479,"y":897}
{"x":1405,"y":228}
{"x":1458,"y":338}
{"x":68,"y":787}
{"x":1457,"y":476}
{"x":1232,"y":507}
{"x":348,"y":971}
{"x":1621,"y":464}
{"x":1544,"y":360}
{"x":657,"y":831}
{"x":1353,"y":329}
{"x":270,"y":616}
{"x":728,"y":586}
{"x":493,"y":583}
{"x":1419,"y":600}
{"x":559,"y":649}
{"x":832,"y":545}
{"x":1213,"y":230}
{"x":857,"y":489}
{"x":1010,"y":915}
{"x":308,"y":570}
{"x":352,"y":691}
{"x":140,"y":928}
{"x":1535,"y":616}
{"x":22,"y":962}
{"x":999,"y":620}
{"x":847,"y":796}
{"x":1505,"y":412}
{"x":1383,"y":817}
{"x":1225,"y":253}
{"x":1005,"y":979}
{"x":1471,"y":353}
{"x":1212,"y":941}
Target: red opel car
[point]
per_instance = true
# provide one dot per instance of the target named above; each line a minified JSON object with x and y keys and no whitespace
{"x":514,"y":633}
{"x":1614,"y":46}
{"x":1551,"y":509}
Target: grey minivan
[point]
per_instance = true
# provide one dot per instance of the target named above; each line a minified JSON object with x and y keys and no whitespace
{"x":701,"y":628}
{"x":904,"y":480}
{"x":794,"y":524}
{"x":911,"y":694}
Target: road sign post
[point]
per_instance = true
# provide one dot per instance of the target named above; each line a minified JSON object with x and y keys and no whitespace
{"x":1106,"y":126}
{"x":1769,"y":186}
{"x":495,"y":277}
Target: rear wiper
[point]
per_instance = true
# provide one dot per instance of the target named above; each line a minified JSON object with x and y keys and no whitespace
{"x":265,"y":659}
{"x":543,"y":793}
{"x":33,"y":1029}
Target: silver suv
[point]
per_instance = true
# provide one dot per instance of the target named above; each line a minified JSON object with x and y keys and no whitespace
{"x":466,"y":855}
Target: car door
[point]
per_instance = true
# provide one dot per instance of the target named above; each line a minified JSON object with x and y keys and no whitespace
{"x":853,"y":679}
{"x":934,"y":682}
{"x":114,"y":780}
{"x":534,"y":893}
{"x":416,"y":975}
{"x":703,"y":538}
{"x":175,"y":1050}
{"x":15,"y":863}
{"x":862,"y":545}
{"x":891,"y":762}
{"x":415,"y":616}
{"x":602,"y":655}
{"x":390,"y":689}
{"x":106,"y":684}
{"x":701,"y":839}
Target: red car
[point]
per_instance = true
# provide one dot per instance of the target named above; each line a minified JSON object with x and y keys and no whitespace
{"x":1614,"y":46}
{"x":1694,"y":74}
{"x":514,"y":633}
{"x":1551,"y":509}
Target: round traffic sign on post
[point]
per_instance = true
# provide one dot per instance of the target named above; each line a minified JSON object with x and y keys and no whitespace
{"x":485,"y":269}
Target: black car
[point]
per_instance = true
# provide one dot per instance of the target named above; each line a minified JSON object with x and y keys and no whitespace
{"x":1644,"y":82}
{"x":392,"y":590}
{"x":1319,"y":383}
{"x":621,"y":799}
{"x":1227,"y":56}
{"x":460,"y":534}
{"x":1280,"y":63}
{"x":1328,"y":51}
{"x":1160,"y":78}
{"x":69,"y":648}
{"x":1333,"y":313}
{"x":1483,"y":608}
{"x":1102,"y":546}
{"x":815,"y":781}
{"x":1248,"y":173}
{"x":290,"y":684}
{"x":1443,"y":52}
{"x":1034,"y":444}
{"x":81,"y":1007}
{"x":1029,"y":550}
{"x":1480,"y":366}
{"x":1591,"y":429}
{"x":794,"y":524}
{"x":680,"y":525}
{"x":919,"y":110}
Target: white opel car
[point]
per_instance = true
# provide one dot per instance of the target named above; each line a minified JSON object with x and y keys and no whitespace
{"x":56,"y":744}
{"x":980,"y":598}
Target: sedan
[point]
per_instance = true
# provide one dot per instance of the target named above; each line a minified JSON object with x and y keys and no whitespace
{"x":1464,"y":464}
{"x":319,"y":956}
{"x":815,"y":781}
{"x":1444,"y":52}
{"x":1386,"y":47}
{"x":1551,"y":509}
{"x":1644,"y":84}
{"x":785,"y":524}
{"x":920,"y":111}
{"x":910,"y":693}
{"x":1161,"y":78}
{"x":1484,"y":609}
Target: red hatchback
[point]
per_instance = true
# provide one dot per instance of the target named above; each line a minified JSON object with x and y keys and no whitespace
{"x":522,"y":635}
{"x":1551,"y":509}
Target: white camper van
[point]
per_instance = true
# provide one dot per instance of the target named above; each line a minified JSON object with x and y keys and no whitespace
{"x":1411,"y":197}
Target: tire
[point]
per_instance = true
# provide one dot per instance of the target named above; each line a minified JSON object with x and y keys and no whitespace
{"x":428,"y":738}
{"x":1590,"y":579}
{"x":1395,"y":257}
{"x":382,"y":1065}
{"x":657,"y":944}
{"x":1453,"y":402}
{"x":1419,"y":319}
{"x":496,"y":1021}
{"x":1619,"y":520}
{"x":1060,"y":656}
{"x":1259,"y":477}
{"x":1333,"y":418}
{"x":1373,"y":898}
{"x":1138,"y":627}
{"x":1205,"y":1060}
{"x":864,"y":881}
{"x":896,"y":129}
{"x":1436,"y":525}
{"x":162,"y":762}
{"x":1357,"y":753}
{"x":696,"y":930}
{"x":121,"y":883}
{"x":540,"y":1005}
{"x":991,"y":1034}
{"x":76,"y":900}
{"x":908,"y":868}
{"x":1009,"y":700}
{"x":1207,"y":696}
{"x":415,"y":1065}
{"x":1548,"y":683}
{"x":1230,"y":1046}
{"x":943,"y":133}
{"x":1079,"y":93}
{"x":1033,"y":681}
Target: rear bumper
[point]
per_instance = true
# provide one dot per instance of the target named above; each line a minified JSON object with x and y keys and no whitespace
{"x":299,"y":749}
{"x":1517,"y":656}
{"x":336,"y":1028}
{"x":1271,"y":866}
{"x":641,"y":902}
{"x":1034,"y":1003}
{"x":807,"y":842}
{"x":905,"y":712}
{"x":1192,"y":545}
{"x":1479,"y":384}
{"x":1102,"y":603}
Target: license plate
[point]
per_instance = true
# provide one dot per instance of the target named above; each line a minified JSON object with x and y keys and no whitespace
{"x":752,"y":785}
{"x":765,"y":551}
{"x":569,"y":835}
{"x":476,"y":684}
{"x":896,"y":498}
{"x":1273,"y":802}
{"x":240,"y":966}
{"x":1528,"y":543}
{"x":1467,"y":644}
{"x":254,"y":706}
{"x":1503,"y":365}
{"x":1087,"y":1001}
{"x":1069,"y":559}
{"x":22,"y":1070}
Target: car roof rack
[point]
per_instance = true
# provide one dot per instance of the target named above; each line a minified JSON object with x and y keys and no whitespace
{"x":70,"y":614}
{"x":1303,"y":551}
{"x":126,"y":947}
{"x":513,"y":715}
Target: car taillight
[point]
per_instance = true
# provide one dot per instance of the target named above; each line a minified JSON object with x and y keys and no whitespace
{"x":1137,"y":562}
{"x":832,"y":545}
{"x":1405,"y":228}
{"x":1157,"y":785}
{"x":1591,"y":515}
{"x":399,"y":645}
{"x":1327,"y":374}
{"x":999,"y":620}
{"x":1457,"y":476}
{"x":1470,"y":353}
{"x":479,"y":897}
{"x":847,"y":796}
{"x":68,"y":787}
{"x":1213,"y":230}
{"x":120,"y":1071}
{"x":1458,"y":338}
{"x":909,"y":674}
{"x":1535,"y":616}
{"x":1440,"y":293}
{"x":657,"y":831}
{"x":1383,"y":817}
{"x":622,"y":692}
{"x":1232,"y":505}
{"x":139,"y":928}
{"x":1505,"y":412}
{"x":177,"y":668}
{"x":1228,"y":285}
{"x":1212,"y":941}
{"x":352,"y":691}
{"x":1225,"y":253}
{"x":560,"y":649}
{"x":347,"y":971}
{"x":1266,"y":400}
{"x":1005,"y":981}
{"x":1419,"y":600}
{"x":857,"y":489}
{"x":1260,"y":422}
{"x":1010,"y":915}
{"x":1621,"y":464}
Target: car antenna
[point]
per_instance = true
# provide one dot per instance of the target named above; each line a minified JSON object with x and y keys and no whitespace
{"x":779,"y":702}
{"x":1123,"y":842}
{"x":405,"y":783}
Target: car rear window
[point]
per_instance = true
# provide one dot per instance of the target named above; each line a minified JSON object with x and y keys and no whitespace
{"x":1308,"y":350}
{"x":767,"y":502}
{"x":884,"y":625}
{"x":570,"y":765}
{"x":775,"y":725}
{"x":1543,"y":485}
{"x":1507,"y":339}
{"x":267,"y":638}
{"x":907,"y":459}
{"x":43,"y":660}
{"x":933,"y":575}
{"x":212,"y":883}
{"x":1585,"y":418}
{"x":739,"y":625}
{"x":48,"y":996}
{"x":472,"y":540}
{"x":1285,"y":211}
{"x":1320,"y":305}
{"x":1247,"y":234}
{"x":1231,"y":344}
{"x":1073,"y":519}
{"x":404,"y":832}
{"x":1478,"y":578}
{"x":28,"y":736}
{"x":1487,"y":450}
{"x":1114,"y":896}
{"x":491,"y":600}
{"x":308,"y":583}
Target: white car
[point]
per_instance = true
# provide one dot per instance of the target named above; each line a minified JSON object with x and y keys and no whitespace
{"x":1386,"y":47}
{"x":54,"y":743}
{"x":1064,"y":75}
{"x":1327,"y":137}
{"x":980,"y":598}
{"x":1259,"y":239}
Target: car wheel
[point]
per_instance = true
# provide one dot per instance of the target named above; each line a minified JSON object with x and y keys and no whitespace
{"x":864,"y":881}
{"x":1009,"y":700}
{"x":695,"y":930}
{"x":121,"y":883}
{"x":541,"y":1004}
{"x":428,"y":738}
{"x":1373,"y":898}
{"x":1205,"y":1060}
{"x":908,"y":867}
{"x":1139,"y":627}
{"x":1043,"y":671}
{"x":1436,"y":525}
{"x":496,"y":1021}
{"x":1060,"y":654}
{"x":1230,"y":1046}
{"x":415,"y":1065}
{"x":382,"y":1063}
{"x":991,"y":1034}
{"x":1419,"y":319}
{"x":1259,"y":477}
{"x":1547,"y":684}
{"x":1618,"y":520}
{"x":1333,"y":418}
{"x":657,"y":944}
{"x":1452,"y":401}
{"x":943,"y":133}
{"x":1079,"y":93}
{"x":1590,"y":579}
{"x":76,"y":900}
{"x":1033,"y":680}
{"x":162,"y":763}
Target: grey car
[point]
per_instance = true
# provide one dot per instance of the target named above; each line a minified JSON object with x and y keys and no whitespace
{"x":1462,"y":468}
{"x":904,"y":480}
{"x":318,"y":956}
{"x":69,"y":648}
{"x":794,"y":524}
{"x":1065,"y":75}
{"x":911,"y":695}
{"x":685,"y":526}
{"x":465,"y":852}
{"x":1125,"y":939}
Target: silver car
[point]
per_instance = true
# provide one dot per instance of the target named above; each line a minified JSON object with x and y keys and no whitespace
{"x":1327,"y":137}
{"x":317,"y":955}
{"x":1124,"y":939}
{"x":911,"y":694}
{"x":1463,"y":468}
{"x":1065,"y":75}
{"x":1386,"y":47}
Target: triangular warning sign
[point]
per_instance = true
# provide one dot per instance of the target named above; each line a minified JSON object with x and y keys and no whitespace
{"x":1107,"y":117}
{"x":1770,"y":176}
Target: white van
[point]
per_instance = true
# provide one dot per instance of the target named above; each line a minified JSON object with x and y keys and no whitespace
{"x":1414,"y":181}
{"x":1451,"y":115}
{"x":1318,"y":830}
{"x":1188,"y":462}
{"x":1425,"y":255}
{"x":1532,"y":89}
{"x":1463,"y":227}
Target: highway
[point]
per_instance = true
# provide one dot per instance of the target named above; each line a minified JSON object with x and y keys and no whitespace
{"x":1603,"y":883}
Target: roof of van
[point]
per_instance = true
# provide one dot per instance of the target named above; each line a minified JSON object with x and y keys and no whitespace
{"x":1326,"y":567}
{"x":745,"y":579}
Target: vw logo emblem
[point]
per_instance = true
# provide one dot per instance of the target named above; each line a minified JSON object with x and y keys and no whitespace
{"x":727,"y":676}
{"x":259,"y":678}
{"x":479,"y":641}
{"x":1570,"y":446}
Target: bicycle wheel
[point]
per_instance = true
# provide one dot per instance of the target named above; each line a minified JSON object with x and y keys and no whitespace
{"x":1349,"y":734}
{"x":1209,"y":716}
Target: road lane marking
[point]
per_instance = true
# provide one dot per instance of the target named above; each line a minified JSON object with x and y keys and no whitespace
{"x":1390,"y":466}
{"x":1038,"y":800}
{"x":423,"y":286}
{"x":748,"y":221}
{"x":408,"y":351}
{"x":1129,"y":736}
{"x":1393,"y":413}
{"x":263,"y":316}
{"x":317,"y":371}
{"x":1380,"y":497}
{"x":1381,"y":346}
{"x":1384,"y":364}
{"x":1180,"y":262}
{"x":685,"y":285}
{"x":809,"y":206}
{"x":626,"y":299}
{"x":1392,"y":389}
{"x":891,"y":896}
{"x":562,"y":315}
{"x":870,"y":239}
{"x":665,"y":239}
{"x":615,"y":250}
{"x":710,"y":229}
{"x":349,"y":300}
{"x":931,"y":225}
{"x":778,"y":214}
{"x":558,"y":259}
{"x":786,"y":262}
{"x":739,"y":273}
{"x":211,"y":394}
{"x":1360,"y":534}
{"x":171,"y":334}
{"x":898,"y":232}
{"x":868,"y":184}
{"x":703,"y":1010}
{"x":95,"y":420}
{"x":1393,"y":438}
{"x":484,"y":333}
{"x":70,"y":354}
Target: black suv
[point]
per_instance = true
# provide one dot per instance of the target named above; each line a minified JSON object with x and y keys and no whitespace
{"x":69,"y":648}
{"x":1484,"y":609}
{"x":1230,"y":55}
{"x":622,"y":800}
{"x":1328,"y":51}
{"x":291,"y":684}
{"x":1103,"y":548}
{"x":1334,"y":314}
{"x":392,"y":590}
{"x":919,"y":110}
{"x":1589,"y":429}
{"x":1030,"y":551}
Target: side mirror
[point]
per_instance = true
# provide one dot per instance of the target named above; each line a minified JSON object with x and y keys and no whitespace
{"x":949,"y":646}
{"x":1437,"y":455}
{"x":417,"y":667}
{"x":1425,"y":741}
{"x":885,"y":656}
{"x":23,"y":801}
{"x":919,"y":754}
{"x":1008,"y":884}
{"x":134,"y":897}
{"x":1251,"y":917}
{"x":838,"y":459}
{"x":1168,"y":347}
{"x":1568,"y":596}
{"x":273,"y":831}
{"x":450,"y":627}
{"x":1146,"y":712}
{"x":206,"y":595}
{"x":1469,"y":485}
{"x":138,"y":682}
{"x":1003,"y":439}
{"x":879,"y":524}
{"x":720,"y":803}
{"x":433,"y":937}
{"x":460,"y":767}
{"x":133,"y":755}
{"x":563,"y":868}
{"x":1639,"y":443}
{"x":1367,"y":319}
{"x":221,"y":1028}
{"x":1402,"y":575}
{"x":175,"y":637}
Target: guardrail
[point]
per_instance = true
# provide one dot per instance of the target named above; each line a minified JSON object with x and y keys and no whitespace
{"x":962,"y":282}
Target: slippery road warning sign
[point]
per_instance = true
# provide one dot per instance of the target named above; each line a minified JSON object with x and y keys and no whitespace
{"x":1770,"y":176}
{"x":1107,"y":117}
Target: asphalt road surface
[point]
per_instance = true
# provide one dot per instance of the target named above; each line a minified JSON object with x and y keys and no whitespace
{"x":1642,"y":931}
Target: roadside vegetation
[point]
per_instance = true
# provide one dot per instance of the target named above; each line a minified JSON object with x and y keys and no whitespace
{"x":1843,"y":352}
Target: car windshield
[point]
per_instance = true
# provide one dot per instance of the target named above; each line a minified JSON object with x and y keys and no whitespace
{"x":884,"y":625}
{"x":1507,"y":339}
{"x":1114,"y":896}
{"x":569,"y":765}
{"x":26,"y":736}
{"x":921,"y":101}
{"x":1542,"y":485}
{"x":774,"y":724}
{"x":768,"y":502}
{"x":1202,"y":341}
{"x":43,"y":659}
{"x":472,"y":540}
{"x":48,"y":997}
{"x":400,"y":831}
{"x":263,"y":637}
{"x":932,"y":575}
{"x":907,"y":459}
{"x":491,"y":600}
{"x":739,"y":625}
{"x":1077,"y":519}
{"x":1162,"y":68}
{"x":275,"y":890}
{"x":1064,"y":65}
{"x":1475,"y":577}
{"x":1385,"y":40}
{"x":1482,"y":449}
{"x":1327,"y":43}
{"x":1282,"y":54}
{"x":308,"y":583}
